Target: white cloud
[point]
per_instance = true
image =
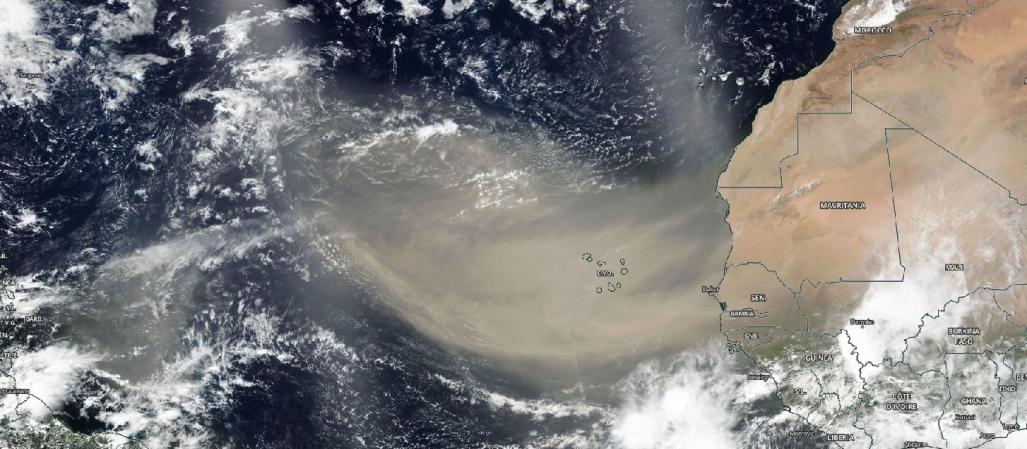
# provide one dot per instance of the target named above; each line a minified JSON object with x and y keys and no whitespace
{"x":450,"y":8}
{"x":27,"y":218}
{"x":182,"y":40}
{"x":18,"y":18}
{"x":124,"y":77}
{"x":236,"y":32}
{"x":896,"y":307}
{"x":446,"y":127}
{"x":135,"y":20}
{"x":412,"y":9}
{"x":236,"y":29}
{"x":289,"y":64}
{"x":873,"y":13}
{"x":236,"y":116}
{"x":694,"y":403}
{"x":533,"y":10}
{"x":48,"y":374}
{"x":29,"y":61}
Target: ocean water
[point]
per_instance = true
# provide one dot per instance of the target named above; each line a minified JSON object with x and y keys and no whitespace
{"x":335,"y":224}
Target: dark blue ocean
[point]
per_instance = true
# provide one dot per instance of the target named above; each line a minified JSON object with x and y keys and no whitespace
{"x":634,"y":90}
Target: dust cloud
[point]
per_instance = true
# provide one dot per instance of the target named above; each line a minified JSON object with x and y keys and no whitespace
{"x":480,"y":246}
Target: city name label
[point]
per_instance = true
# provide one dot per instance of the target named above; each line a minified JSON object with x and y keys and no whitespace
{"x":13,"y":391}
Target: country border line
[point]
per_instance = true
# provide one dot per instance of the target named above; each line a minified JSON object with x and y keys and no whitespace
{"x":895,"y":218}
{"x":930,"y":34}
{"x":780,"y":163}
{"x":946,"y":150}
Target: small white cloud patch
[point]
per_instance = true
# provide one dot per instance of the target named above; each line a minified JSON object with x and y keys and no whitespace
{"x":273,"y":73}
{"x":124,"y":78}
{"x":412,"y":9}
{"x":450,"y":8}
{"x":444,"y":128}
{"x":135,"y":20}
{"x":182,"y":40}
{"x":873,"y":13}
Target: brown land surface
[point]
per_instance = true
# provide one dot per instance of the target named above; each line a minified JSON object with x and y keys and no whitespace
{"x":939,"y":193}
{"x":965,"y":89}
{"x":841,"y":158}
{"x":1013,"y":302}
{"x":778,"y":308}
